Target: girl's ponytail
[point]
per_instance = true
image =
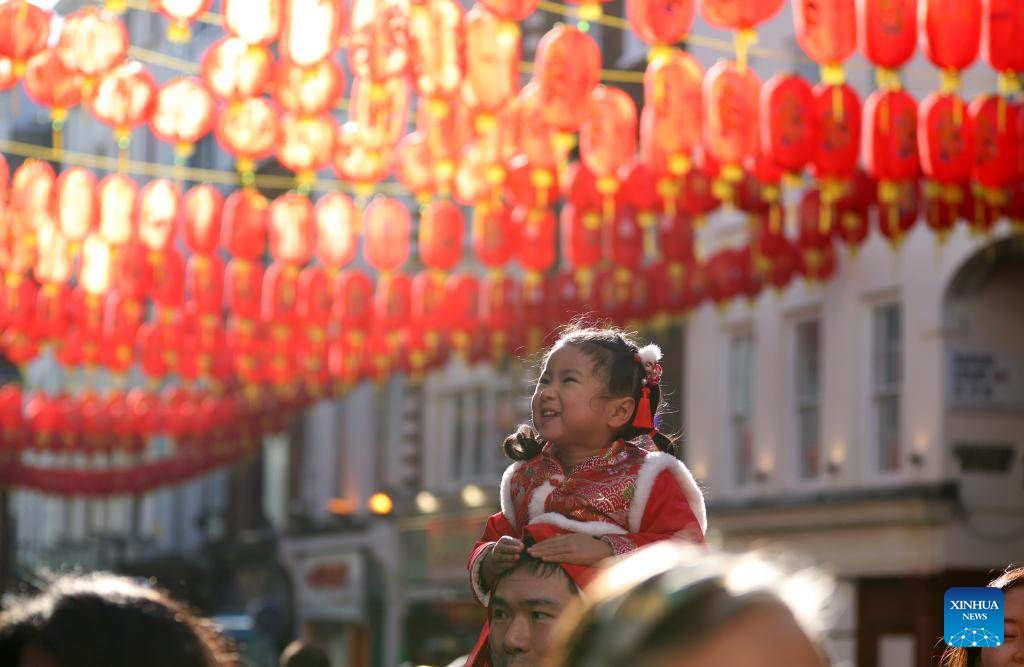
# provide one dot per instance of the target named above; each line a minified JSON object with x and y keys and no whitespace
{"x":524,"y":444}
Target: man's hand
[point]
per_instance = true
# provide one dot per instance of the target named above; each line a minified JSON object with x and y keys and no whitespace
{"x":571,"y":548}
{"x":504,"y":555}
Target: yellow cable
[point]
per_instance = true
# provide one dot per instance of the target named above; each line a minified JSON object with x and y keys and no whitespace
{"x":159,"y":170}
{"x":163,"y":60}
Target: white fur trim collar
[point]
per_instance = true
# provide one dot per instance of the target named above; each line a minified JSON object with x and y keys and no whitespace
{"x":540,"y":497}
{"x":654,"y":464}
{"x":507,"y":508}
{"x":583,"y":527}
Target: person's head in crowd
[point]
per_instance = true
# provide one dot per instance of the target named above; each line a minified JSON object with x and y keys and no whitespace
{"x":1011,"y":651}
{"x":103,"y":619}
{"x":673,"y":605}
{"x":525,"y":602}
{"x":301,"y":654}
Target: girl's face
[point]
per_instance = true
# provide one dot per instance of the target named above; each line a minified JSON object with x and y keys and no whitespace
{"x":570,"y":406}
{"x":1011,"y":653}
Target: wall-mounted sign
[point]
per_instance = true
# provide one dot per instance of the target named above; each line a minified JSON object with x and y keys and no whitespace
{"x":331,"y":586}
{"x":986,"y":380}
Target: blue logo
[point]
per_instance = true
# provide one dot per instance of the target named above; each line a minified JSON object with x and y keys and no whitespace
{"x":974,"y":617}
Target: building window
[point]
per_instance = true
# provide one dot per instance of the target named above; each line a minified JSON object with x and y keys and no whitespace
{"x":808,"y":399}
{"x":886,"y":372}
{"x":741,"y":405}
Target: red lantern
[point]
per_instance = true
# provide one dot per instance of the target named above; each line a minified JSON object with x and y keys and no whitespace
{"x":386,"y":226}
{"x":204,"y":281}
{"x":358,"y":161}
{"x":581,"y":239}
{"x":435,"y":28}
{"x":731,"y":99}
{"x":314,"y":300}
{"x":890,"y":147}
{"x":337,"y":221}
{"x":121,"y":323}
{"x":429,"y":305}
{"x":826,"y":31}
{"x":290,"y":226}
{"x":200,"y":214}
{"x":77,"y":203}
{"x":91,"y":43}
{"x":1002,"y":33}
{"x":243,"y":288}
{"x":381,"y":109}
{"x":280,"y":295}
{"x":49,"y":83}
{"x":254,"y":21}
{"x":158,"y":214}
{"x":950,"y":32}
{"x":124,"y":98}
{"x":536,"y":135}
{"x":789,"y":133}
{"x":352,"y":303}
{"x":501,"y":312}
{"x":640,"y":191}
{"x":183,"y":114}
{"x":941,"y":212}
{"x":996,"y":141}
{"x":660,"y":23}
{"x":392,"y":303}
{"x":837,"y":114}
{"x":235,"y":70}
{"x":898,"y":214}
{"x":671,"y":121}
{"x":133,"y":270}
{"x":248,"y":130}
{"x":567,"y":65}
{"x":536,"y":234}
{"x":244,"y":225}
{"x":675,"y":238}
{"x":168,"y":280}
{"x":511,"y":10}
{"x":608,"y":138}
{"x":491,"y":60}
{"x":945,"y":143}
{"x":624,"y":242}
{"x":413,"y":167}
{"x":118,"y":195}
{"x":305,"y":144}
{"x":463,"y":304}
{"x":311,"y":30}
{"x":379,"y":39}
{"x":440,"y":235}
{"x":309,"y":90}
{"x":526,"y":185}
{"x":887,"y":31}
{"x":24,"y":32}
{"x":494,"y":235}
{"x":53,"y":260}
{"x":182,"y":14}
{"x":52,"y":311}
{"x":739,"y":14}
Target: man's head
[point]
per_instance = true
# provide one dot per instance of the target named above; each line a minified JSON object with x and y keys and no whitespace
{"x":525,"y":602}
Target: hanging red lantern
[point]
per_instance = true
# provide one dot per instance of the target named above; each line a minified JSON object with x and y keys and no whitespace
{"x":358,"y":161}
{"x":182,"y":14}
{"x":580,"y":187}
{"x":200,"y":214}
{"x":290,"y":227}
{"x":204,"y":282}
{"x":996,"y":142}
{"x":853,"y":211}
{"x":624,"y":242}
{"x":305,"y":144}
{"x":581,"y":241}
{"x":309,"y":90}
{"x":660,"y":23}
{"x":950,"y":32}
{"x":121,"y":322}
{"x":492,"y":53}
{"x":254,"y":21}
{"x":536,"y":230}
{"x":54,"y":259}
{"x":608,"y":139}
{"x":311,"y":29}
{"x":95,"y":269}
{"x":167,"y":280}
{"x":413,"y":167}
{"x":132,"y":270}
{"x":494,"y":235}
{"x":940,"y":212}
{"x":440,"y":235}
{"x":428,"y":310}
{"x":77,"y":203}
{"x":392,"y":303}
{"x":124,"y":98}
{"x":445,"y":138}
{"x":7,"y":78}
{"x":789,"y":131}
{"x":24,"y":32}
{"x":837,"y":115}
{"x":887,"y":31}
{"x":826,"y":31}
{"x":1002,"y":32}
{"x":337,"y":223}
{"x":381,"y":110}
{"x":697,"y":196}
{"x":280,"y":296}
{"x":243,"y":288}
{"x":526,"y":185}
{"x":501,"y":312}
{"x":379,"y":39}
{"x":640,"y":192}
{"x":248,"y":130}
{"x":386,"y":229}
{"x":436,"y":35}
{"x":731,"y":99}
{"x":511,"y":10}
{"x":183,"y":114}
{"x":244,"y":224}
{"x":474,"y":180}
{"x":235,"y":70}
{"x":536,"y":135}
{"x":118,"y":195}
{"x":352,"y":303}
{"x":890,"y":148}
{"x":52,"y":311}
{"x":91,"y":43}
{"x":314,"y":301}
{"x":671,"y":122}
{"x":945,"y":142}
{"x":158,"y":214}
{"x":463,"y":305}
{"x":899,"y":212}
{"x":739,"y":15}
{"x":675,"y":238}
{"x":567,"y":66}
{"x":50,"y":83}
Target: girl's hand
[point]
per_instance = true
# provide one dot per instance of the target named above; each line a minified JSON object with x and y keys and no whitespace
{"x":572,"y":548}
{"x":504,"y":555}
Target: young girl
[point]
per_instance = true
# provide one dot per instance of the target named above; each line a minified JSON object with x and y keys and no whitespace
{"x":587,"y":470}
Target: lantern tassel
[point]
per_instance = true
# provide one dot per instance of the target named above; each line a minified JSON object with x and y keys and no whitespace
{"x":642,"y":419}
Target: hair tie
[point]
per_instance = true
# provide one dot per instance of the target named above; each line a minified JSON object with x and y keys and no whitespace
{"x":648,"y":358}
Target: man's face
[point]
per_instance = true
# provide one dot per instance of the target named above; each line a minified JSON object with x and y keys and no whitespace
{"x":523,"y":610}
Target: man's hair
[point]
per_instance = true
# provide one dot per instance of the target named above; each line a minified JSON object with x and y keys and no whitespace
{"x":528,"y":563}
{"x":301,"y":654}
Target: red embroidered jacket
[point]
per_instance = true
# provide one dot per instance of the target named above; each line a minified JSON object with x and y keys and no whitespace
{"x":630,"y":494}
